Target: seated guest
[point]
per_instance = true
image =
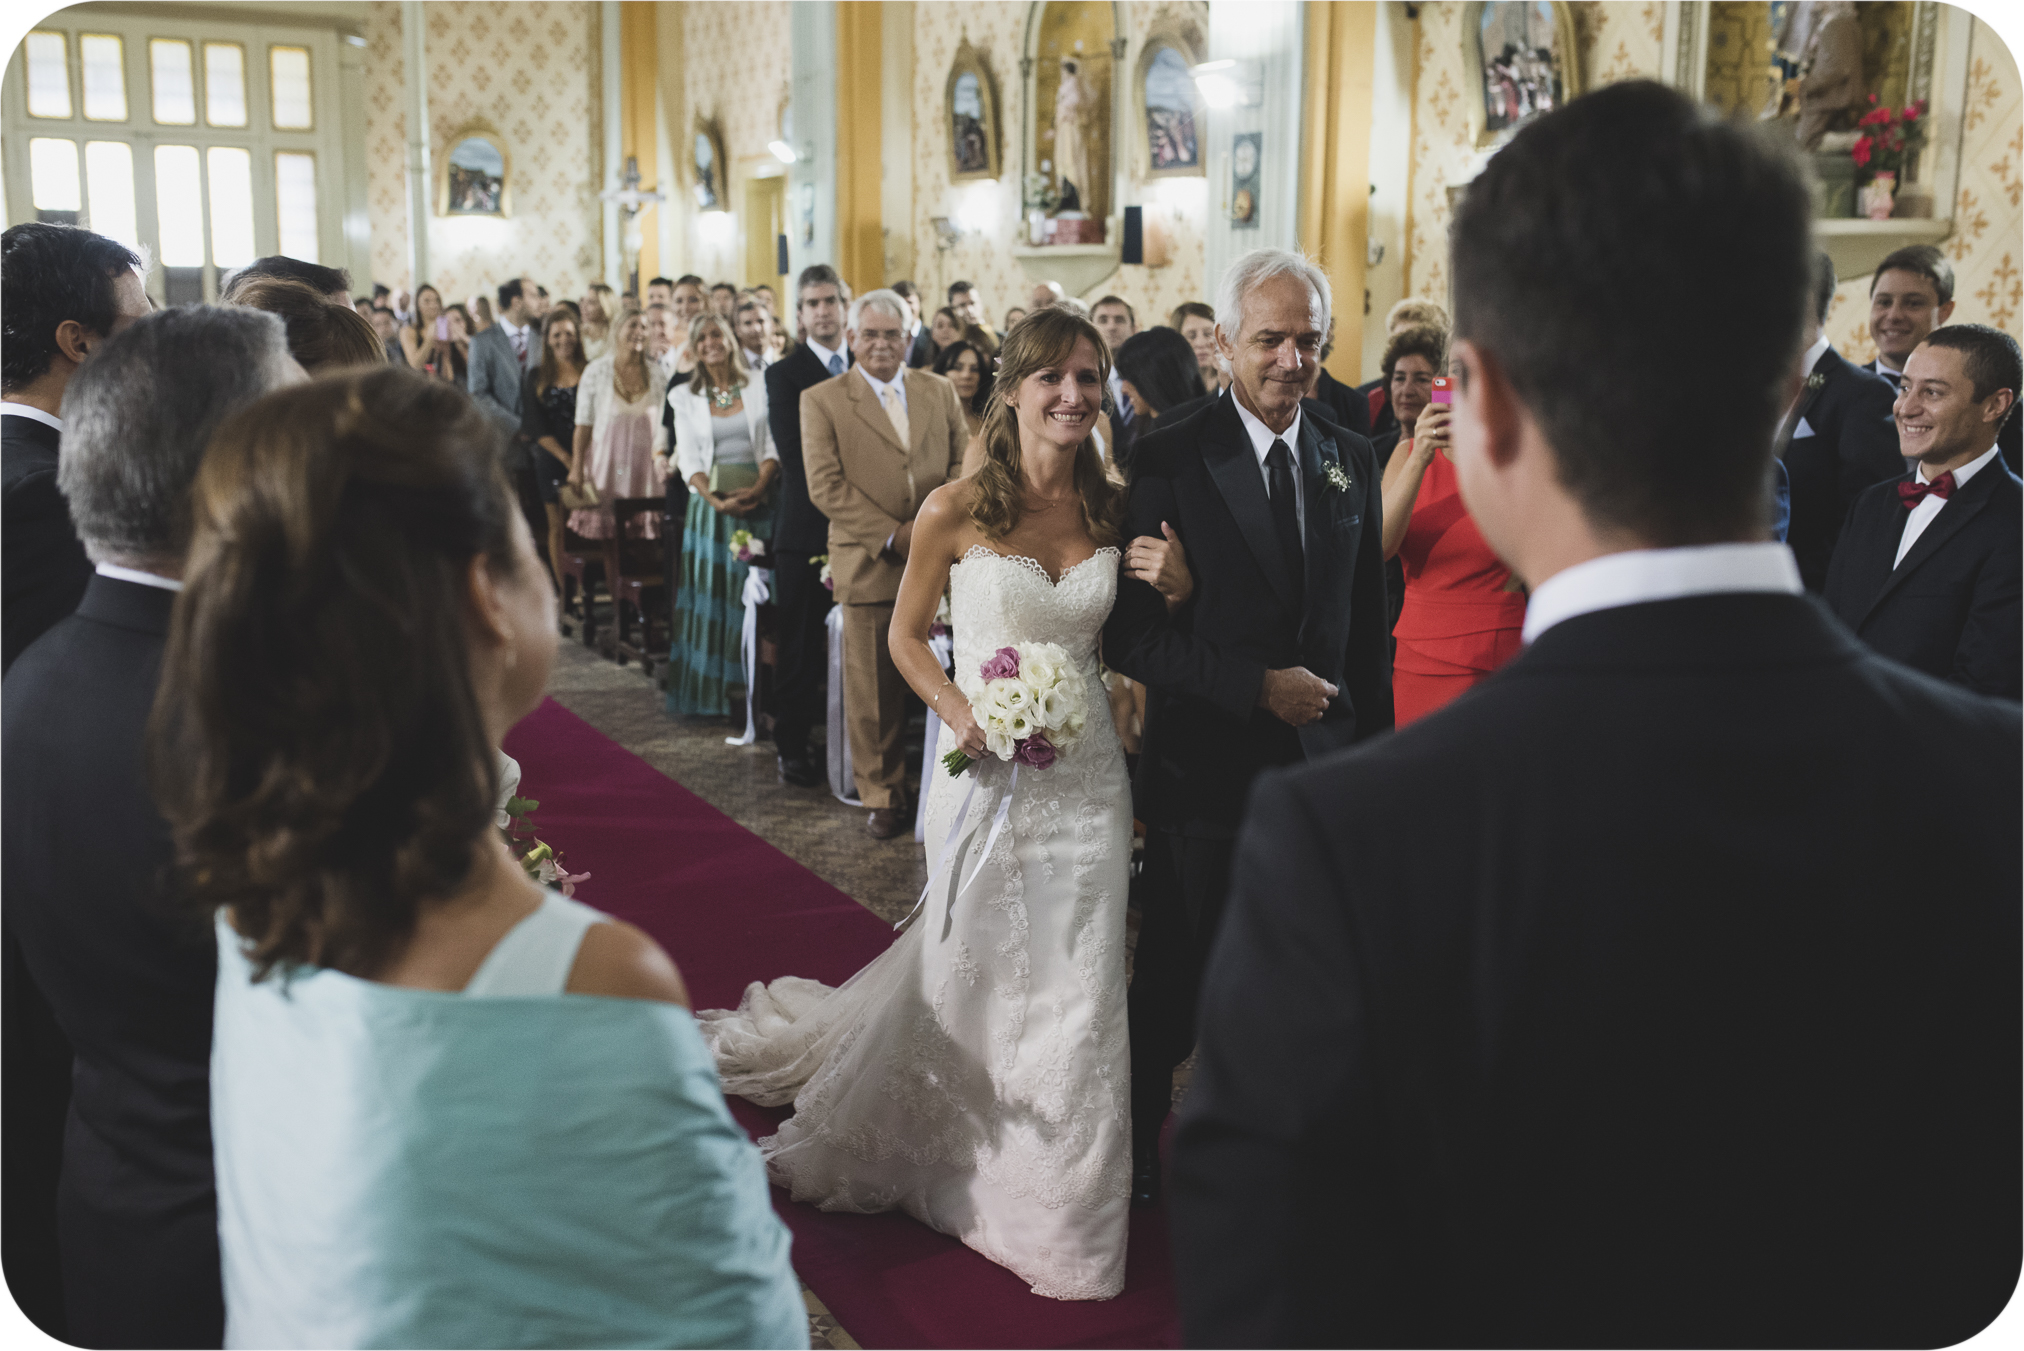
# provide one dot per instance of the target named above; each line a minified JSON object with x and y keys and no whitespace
{"x":68,"y":290}
{"x":1157,"y":372}
{"x":1461,"y":613}
{"x":85,"y":852}
{"x":1927,"y":568}
{"x":617,"y":404}
{"x":322,"y":337}
{"x":1836,"y":439}
{"x":548,"y":419}
{"x":425,"y":1134}
{"x":723,"y":453}
{"x":1623,"y":1002}
{"x":968,"y":367}
{"x":332,"y":283}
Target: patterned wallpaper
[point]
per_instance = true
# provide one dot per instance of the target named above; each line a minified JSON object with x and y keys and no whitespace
{"x":736,"y":66}
{"x":997,"y":28}
{"x":1987,"y":245}
{"x":1618,"y":40}
{"x":530,"y":69}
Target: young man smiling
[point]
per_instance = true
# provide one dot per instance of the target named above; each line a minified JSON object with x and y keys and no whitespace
{"x":1928,"y":568}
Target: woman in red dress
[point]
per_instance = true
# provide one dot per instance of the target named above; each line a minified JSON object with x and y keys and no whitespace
{"x":1464,"y":612}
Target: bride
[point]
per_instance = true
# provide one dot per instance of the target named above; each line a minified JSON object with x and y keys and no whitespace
{"x":976,"y":1074}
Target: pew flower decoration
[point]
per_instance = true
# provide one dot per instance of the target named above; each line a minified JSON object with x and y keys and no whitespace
{"x":744,"y":548}
{"x":1030,"y":703}
{"x":828,"y":580}
{"x":542,"y":862}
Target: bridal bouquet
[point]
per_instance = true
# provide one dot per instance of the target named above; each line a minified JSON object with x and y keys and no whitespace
{"x":1030,"y":703}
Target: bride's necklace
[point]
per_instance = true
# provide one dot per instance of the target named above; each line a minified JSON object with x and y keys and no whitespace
{"x":724,"y":398}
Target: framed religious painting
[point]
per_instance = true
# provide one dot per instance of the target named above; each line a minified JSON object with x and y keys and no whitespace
{"x":1169,"y":108}
{"x":1524,"y":61}
{"x":1246,"y":160}
{"x":712,"y":171}
{"x":476,"y":174}
{"x":971,"y":115}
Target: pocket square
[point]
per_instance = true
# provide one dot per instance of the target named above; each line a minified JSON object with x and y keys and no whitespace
{"x":1804,"y":428}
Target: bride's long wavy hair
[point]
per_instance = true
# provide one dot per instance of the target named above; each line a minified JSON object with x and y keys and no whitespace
{"x":1042,"y":339}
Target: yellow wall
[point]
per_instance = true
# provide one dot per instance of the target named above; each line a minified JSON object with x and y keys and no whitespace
{"x":860,"y":246}
{"x":1335,"y":179}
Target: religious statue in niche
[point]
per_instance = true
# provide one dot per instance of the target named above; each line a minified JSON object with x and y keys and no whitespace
{"x":1071,"y":140}
{"x":711,"y":183}
{"x":1819,"y":56}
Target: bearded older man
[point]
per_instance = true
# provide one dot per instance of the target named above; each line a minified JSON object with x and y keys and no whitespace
{"x":1279,"y":656}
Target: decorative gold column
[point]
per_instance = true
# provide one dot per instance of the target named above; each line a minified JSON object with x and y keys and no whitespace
{"x":859,"y":131}
{"x":639,"y":41}
{"x":1335,"y":154}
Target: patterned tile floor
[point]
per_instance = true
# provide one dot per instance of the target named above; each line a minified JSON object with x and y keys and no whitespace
{"x":807,"y":824}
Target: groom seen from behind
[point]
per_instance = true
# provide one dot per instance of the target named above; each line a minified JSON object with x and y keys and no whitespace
{"x":1638,"y":997}
{"x":1279,"y":655}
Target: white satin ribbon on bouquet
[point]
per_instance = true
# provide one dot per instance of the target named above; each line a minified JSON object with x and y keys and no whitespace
{"x":950,"y":848}
{"x":758,"y":590}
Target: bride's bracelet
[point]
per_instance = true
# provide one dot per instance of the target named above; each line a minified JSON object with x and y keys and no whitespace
{"x":936,"y":702}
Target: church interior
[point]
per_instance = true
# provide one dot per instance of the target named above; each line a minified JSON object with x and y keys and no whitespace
{"x":987,"y":160}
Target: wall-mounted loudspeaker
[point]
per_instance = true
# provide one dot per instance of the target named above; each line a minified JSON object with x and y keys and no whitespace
{"x":1134,"y":248}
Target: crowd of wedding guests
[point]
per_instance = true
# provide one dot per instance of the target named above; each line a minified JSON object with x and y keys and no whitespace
{"x":1588,"y":1009}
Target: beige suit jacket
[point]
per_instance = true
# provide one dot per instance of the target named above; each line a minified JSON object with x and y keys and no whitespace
{"x":865,"y":481}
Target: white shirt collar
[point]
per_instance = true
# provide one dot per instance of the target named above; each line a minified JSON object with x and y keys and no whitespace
{"x":1813,"y":354}
{"x":898,"y":384}
{"x":13,"y":409}
{"x":512,"y":329}
{"x":1263,"y":436}
{"x":1641,"y":575}
{"x":823,"y":354}
{"x":754,"y":359}
{"x":135,"y":575}
{"x":1885,"y":371}
{"x":1966,"y":471}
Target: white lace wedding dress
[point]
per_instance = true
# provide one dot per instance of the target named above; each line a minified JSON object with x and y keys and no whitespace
{"x":976,"y":1075}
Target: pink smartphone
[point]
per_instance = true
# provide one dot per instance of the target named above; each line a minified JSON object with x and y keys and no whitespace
{"x":1443,"y":391}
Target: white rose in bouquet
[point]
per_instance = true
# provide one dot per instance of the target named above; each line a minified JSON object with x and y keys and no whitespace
{"x":1030,"y":703}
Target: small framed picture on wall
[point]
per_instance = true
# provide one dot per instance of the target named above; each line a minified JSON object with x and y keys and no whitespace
{"x":1245,"y":152}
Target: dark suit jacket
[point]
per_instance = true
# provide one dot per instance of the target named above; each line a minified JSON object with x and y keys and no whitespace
{"x":798,"y":526}
{"x":1347,"y":408}
{"x":45,"y":568}
{"x":918,"y":356}
{"x":1626,"y":1001}
{"x":82,"y":859}
{"x":1387,"y":418}
{"x":1205,"y":736}
{"x":1952,"y":608}
{"x":1854,"y":444}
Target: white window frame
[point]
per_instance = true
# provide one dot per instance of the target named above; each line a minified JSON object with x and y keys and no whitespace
{"x":329,"y":142}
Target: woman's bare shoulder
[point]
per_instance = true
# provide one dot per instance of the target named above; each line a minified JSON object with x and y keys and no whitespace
{"x":948,"y":507}
{"x":620,"y":961}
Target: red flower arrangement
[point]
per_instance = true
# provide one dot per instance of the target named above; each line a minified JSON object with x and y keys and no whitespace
{"x":1889,"y":137}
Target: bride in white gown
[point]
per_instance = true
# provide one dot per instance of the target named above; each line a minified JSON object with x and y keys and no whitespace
{"x":976,"y":1074}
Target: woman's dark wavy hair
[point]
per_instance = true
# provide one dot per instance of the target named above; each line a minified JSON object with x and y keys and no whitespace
{"x":316,"y":745}
{"x":1042,"y":339}
{"x":945,"y":361}
{"x":1161,"y":366}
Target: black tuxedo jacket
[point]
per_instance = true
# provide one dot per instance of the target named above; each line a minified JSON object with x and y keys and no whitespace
{"x":919,"y":356}
{"x":1623,"y":1002}
{"x":1347,"y":407}
{"x":1387,"y":418}
{"x":45,"y":568}
{"x":83,"y":854}
{"x":1854,"y":444}
{"x":798,"y":525}
{"x":1952,"y":608}
{"x":1205,"y":737}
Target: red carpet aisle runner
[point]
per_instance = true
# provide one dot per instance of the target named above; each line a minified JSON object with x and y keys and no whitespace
{"x":732,"y":909}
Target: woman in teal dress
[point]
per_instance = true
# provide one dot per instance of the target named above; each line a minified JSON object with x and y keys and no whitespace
{"x":723,"y":452}
{"x":448,"y":1109}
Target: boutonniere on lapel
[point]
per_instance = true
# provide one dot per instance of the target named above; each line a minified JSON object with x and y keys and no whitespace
{"x":1335,"y":476}
{"x":1815,"y":381}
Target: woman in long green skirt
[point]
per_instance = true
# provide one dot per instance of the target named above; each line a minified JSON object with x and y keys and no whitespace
{"x":724,"y":453}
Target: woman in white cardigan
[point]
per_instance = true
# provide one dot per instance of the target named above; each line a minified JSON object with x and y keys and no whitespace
{"x":723,"y":452}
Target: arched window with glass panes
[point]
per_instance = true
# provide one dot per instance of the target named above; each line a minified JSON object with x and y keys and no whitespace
{"x":207,"y":144}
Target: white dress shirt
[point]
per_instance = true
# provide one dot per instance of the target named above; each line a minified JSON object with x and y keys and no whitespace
{"x":521,"y":332}
{"x":1896,"y":378}
{"x":756,"y":361}
{"x":824,"y":354}
{"x":1262,"y":438}
{"x":13,"y":409}
{"x":135,"y":575}
{"x":1932,"y":505}
{"x":1641,"y":575}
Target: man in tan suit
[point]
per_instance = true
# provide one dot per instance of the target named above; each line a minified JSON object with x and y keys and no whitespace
{"x":876,"y":440}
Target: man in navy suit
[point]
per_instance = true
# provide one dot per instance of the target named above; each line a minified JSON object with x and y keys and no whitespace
{"x":1927,"y":570}
{"x":1836,"y":439}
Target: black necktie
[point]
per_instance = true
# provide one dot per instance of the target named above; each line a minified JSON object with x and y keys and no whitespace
{"x":1285,"y":516}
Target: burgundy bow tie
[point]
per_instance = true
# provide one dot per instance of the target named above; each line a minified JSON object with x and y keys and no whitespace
{"x":1912,"y":492}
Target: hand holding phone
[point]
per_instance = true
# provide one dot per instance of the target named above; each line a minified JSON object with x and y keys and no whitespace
{"x":442,"y":327}
{"x":1444,"y":390}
